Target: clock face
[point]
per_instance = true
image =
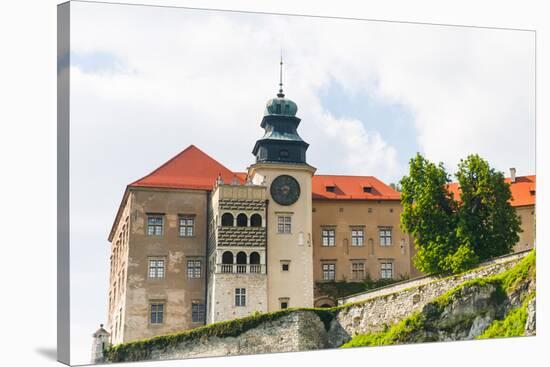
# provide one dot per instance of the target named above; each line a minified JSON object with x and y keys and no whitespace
{"x":285,"y":190}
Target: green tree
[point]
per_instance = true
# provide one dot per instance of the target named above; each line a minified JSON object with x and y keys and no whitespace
{"x":429,"y":214}
{"x":453,"y":234}
{"x":487,"y":221}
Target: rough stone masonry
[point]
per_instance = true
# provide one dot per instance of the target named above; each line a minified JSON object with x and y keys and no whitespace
{"x":304,"y":330}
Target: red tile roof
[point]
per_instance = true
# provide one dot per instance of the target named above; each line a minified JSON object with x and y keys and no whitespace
{"x":190,"y":169}
{"x":241,"y":175}
{"x":523,"y":190}
{"x":351,"y":188}
{"x":194,"y":169}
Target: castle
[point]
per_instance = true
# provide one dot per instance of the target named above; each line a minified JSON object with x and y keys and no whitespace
{"x":195,"y":243}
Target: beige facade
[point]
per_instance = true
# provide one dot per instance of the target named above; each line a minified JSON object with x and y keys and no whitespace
{"x":135,"y":287}
{"x":527,"y":236}
{"x":290,"y":285}
{"x":358,"y":239}
{"x":330,"y":240}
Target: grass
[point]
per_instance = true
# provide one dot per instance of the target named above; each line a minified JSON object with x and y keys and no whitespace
{"x":393,"y":335}
{"x":512,"y":325}
{"x":506,"y":282}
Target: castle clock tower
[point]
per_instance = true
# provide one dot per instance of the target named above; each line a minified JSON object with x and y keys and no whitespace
{"x":281,"y":166}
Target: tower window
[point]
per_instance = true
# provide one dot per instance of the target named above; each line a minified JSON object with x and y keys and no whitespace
{"x":242,"y":220}
{"x":227,"y":220}
{"x":283,"y":224}
{"x":283,"y":153}
{"x":285,"y":265}
{"x":240,"y":297}
{"x":278,"y":108}
{"x":255,"y":220}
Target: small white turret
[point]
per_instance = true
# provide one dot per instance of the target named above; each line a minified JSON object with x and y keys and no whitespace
{"x":99,"y":344}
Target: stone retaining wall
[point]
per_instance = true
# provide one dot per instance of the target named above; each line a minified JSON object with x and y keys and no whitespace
{"x":397,"y":287}
{"x":375,"y":310}
{"x":298,"y":331}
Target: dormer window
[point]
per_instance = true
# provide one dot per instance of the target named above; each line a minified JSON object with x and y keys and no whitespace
{"x":367,"y":189}
{"x":330,"y":188}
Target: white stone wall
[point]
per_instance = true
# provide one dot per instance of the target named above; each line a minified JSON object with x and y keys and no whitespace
{"x":295,"y":332}
{"x":223,"y":295}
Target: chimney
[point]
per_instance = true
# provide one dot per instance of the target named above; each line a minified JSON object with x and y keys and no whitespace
{"x":512,"y":175}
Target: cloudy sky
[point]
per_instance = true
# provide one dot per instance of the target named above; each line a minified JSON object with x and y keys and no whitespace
{"x":147,"y":82}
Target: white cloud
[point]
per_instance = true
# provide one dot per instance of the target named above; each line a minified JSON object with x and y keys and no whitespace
{"x":186,"y":77}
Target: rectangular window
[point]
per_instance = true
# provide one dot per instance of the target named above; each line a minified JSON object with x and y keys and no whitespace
{"x":329,"y":271}
{"x":197,"y":311}
{"x":240,"y":297}
{"x":285,"y":267}
{"x":284,"y":305}
{"x":154,"y":225}
{"x":358,"y":271}
{"x":283,"y":224}
{"x":328,"y":236}
{"x":194,"y":268}
{"x":157,"y":313}
{"x":187,"y":226}
{"x":385,"y":236}
{"x":357,"y":237}
{"x":386,"y":270}
{"x":156,"y":268}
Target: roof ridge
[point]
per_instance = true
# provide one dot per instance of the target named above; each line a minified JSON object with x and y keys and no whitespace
{"x":190,"y":147}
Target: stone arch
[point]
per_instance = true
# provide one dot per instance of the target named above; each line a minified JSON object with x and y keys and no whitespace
{"x":255,"y":220}
{"x":241,"y":258}
{"x":242,"y":220}
{"x":254,"y":258}
{"x":324,"y":302}
{"x":227,"y":220}
{"x":227,"y":257}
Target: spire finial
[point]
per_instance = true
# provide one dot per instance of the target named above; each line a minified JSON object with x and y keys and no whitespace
{"x":281,"y":94}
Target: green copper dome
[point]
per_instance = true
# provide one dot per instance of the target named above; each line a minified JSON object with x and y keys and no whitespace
{"x":280,"y":106}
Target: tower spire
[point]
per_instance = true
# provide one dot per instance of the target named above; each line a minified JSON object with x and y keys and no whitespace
{"x":281,"y":94}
